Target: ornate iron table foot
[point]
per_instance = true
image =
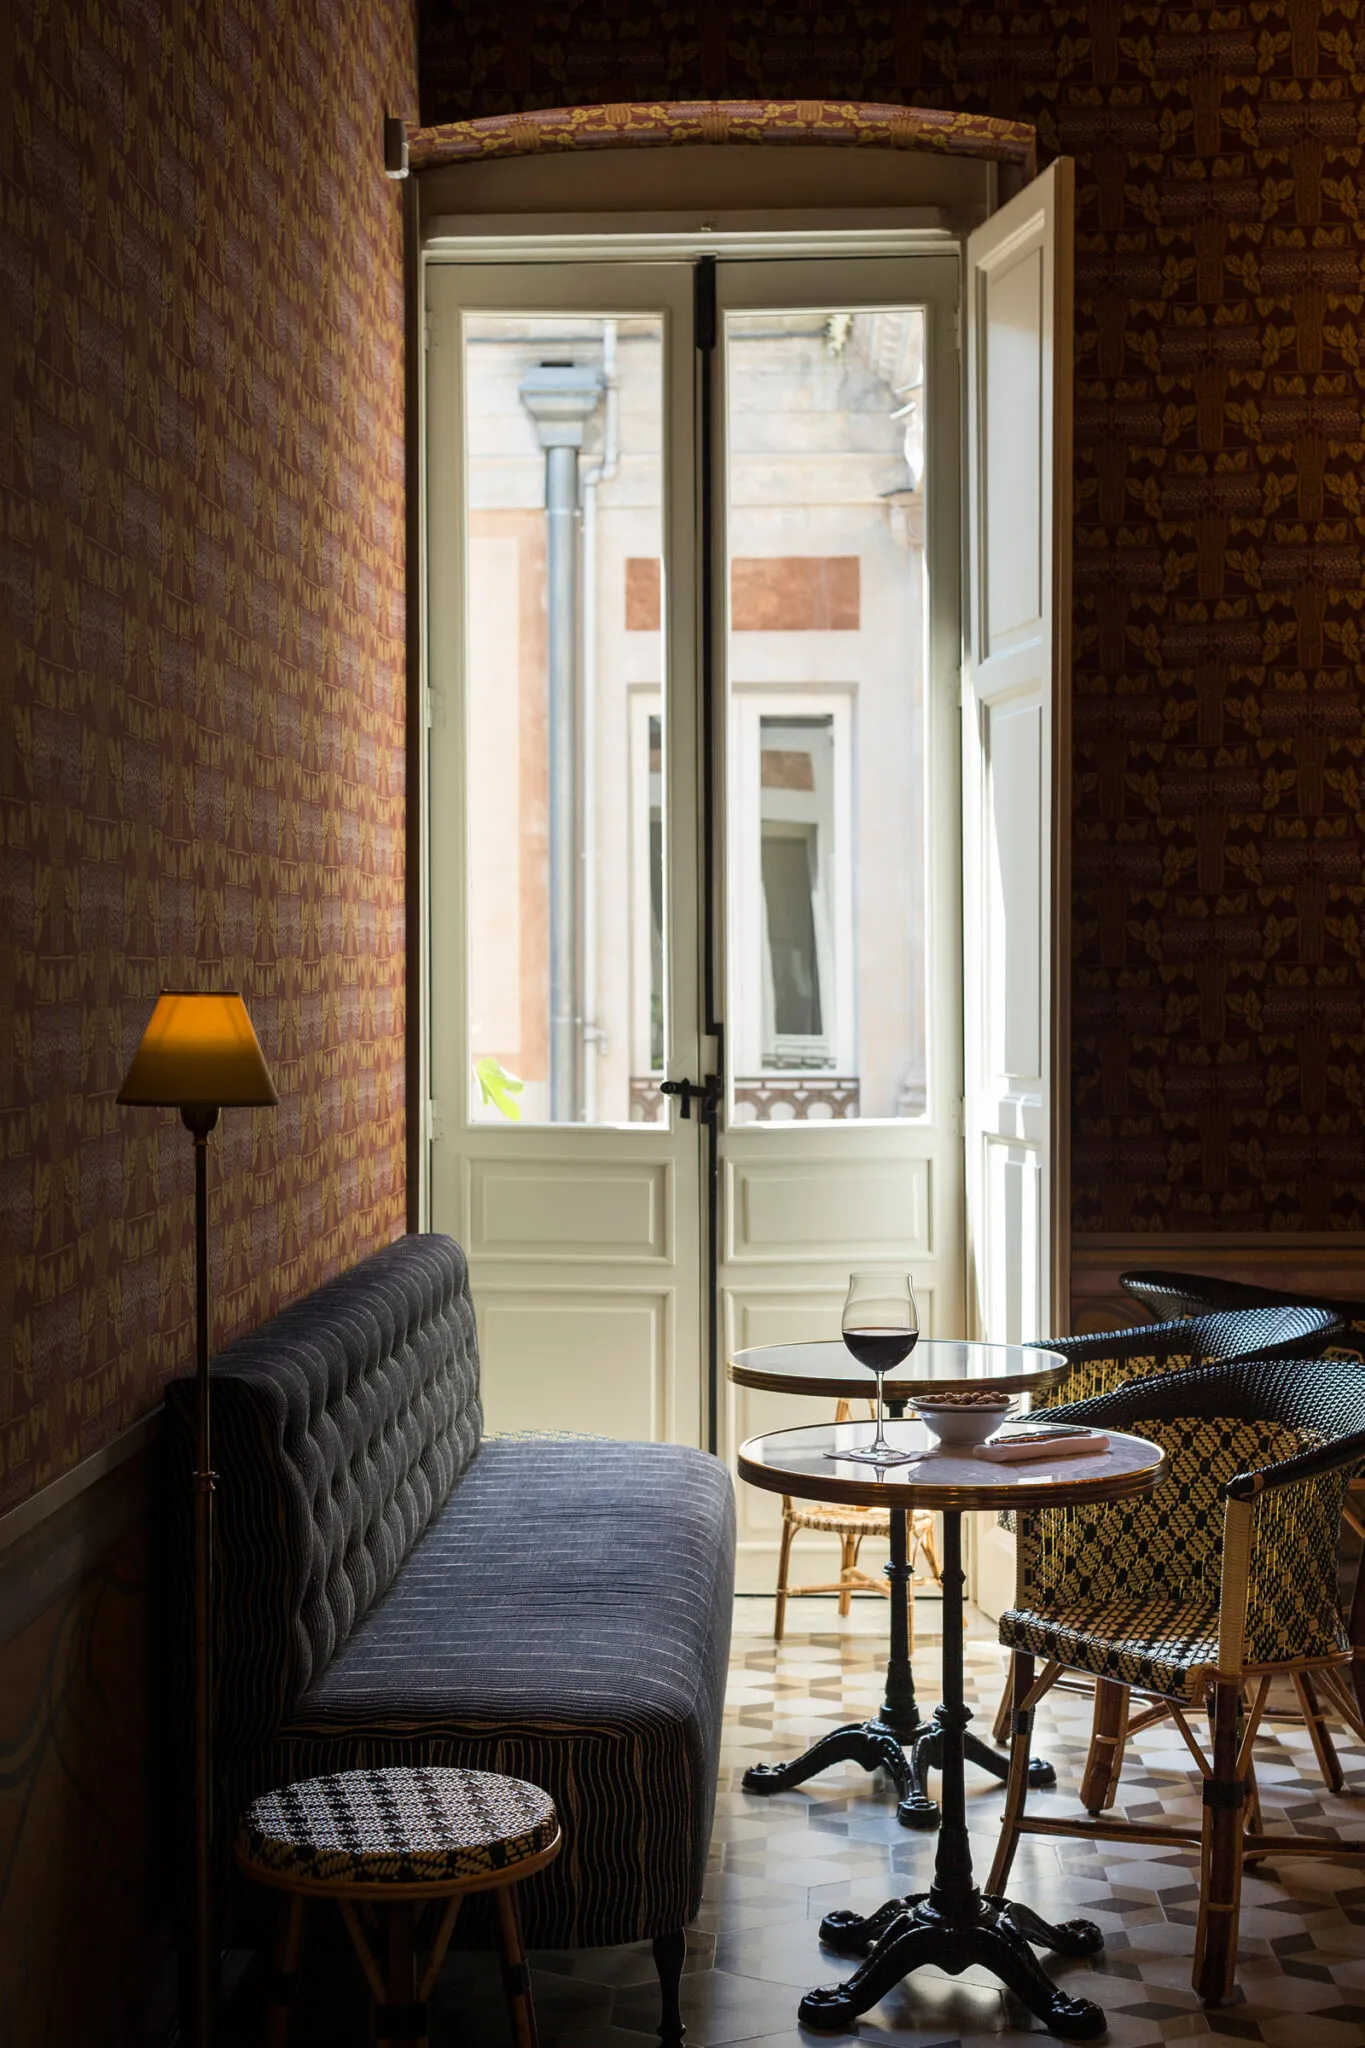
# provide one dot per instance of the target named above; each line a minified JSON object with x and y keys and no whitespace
{"x":905,"y":1934}
{"x":952,"y":1925}
{"x":869,"y":1743}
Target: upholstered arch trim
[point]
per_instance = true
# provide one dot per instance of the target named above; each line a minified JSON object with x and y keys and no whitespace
{"x":667,"y":124}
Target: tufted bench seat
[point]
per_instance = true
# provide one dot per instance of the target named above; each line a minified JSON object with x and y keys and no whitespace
{"x":392,"y":1589}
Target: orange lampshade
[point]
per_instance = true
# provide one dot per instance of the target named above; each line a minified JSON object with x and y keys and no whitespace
{"x":199,"y":1049}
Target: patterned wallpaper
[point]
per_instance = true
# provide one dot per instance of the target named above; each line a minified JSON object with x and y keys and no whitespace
{"x":1219,"y":988}
{"x":201,"y":668}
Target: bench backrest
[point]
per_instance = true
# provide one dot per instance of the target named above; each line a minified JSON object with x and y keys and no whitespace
{"x":339,"y":1428}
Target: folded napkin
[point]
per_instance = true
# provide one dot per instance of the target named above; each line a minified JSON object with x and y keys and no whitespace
{"x":1018,"y":1450}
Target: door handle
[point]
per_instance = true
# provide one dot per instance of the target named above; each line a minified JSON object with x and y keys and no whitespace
{"x":707,"y":1094}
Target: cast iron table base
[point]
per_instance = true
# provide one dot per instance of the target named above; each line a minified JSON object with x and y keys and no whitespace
{"x":952,"y":1926}
{"x":895,"y":1740}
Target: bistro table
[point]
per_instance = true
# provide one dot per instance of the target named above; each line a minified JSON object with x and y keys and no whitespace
{"x":951,"y":1925}
{"x":895,"y":1740}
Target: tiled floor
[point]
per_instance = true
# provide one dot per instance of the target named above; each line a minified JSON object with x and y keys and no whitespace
{"x":778,"y":1864}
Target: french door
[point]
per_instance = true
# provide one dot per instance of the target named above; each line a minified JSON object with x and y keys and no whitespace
{"x":694,"y":865}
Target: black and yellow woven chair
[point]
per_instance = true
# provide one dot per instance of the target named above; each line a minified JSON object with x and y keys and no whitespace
{"x":1167,"y":1294}
{"x":1196,"y":1599}
{"x":1113,"y":1358}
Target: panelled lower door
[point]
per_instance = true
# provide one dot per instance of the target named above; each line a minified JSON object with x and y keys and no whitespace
{"x":564,"y":823}
{"x":1016,"y":812}
{"x":835,"y":429}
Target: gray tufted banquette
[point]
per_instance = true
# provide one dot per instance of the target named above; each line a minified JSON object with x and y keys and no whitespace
{"x":393,"y":1589}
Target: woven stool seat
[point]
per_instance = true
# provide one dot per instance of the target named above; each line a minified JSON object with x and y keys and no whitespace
{"x":397,"y":1826}
{"x":837,"y":1520}
{"x":397,"y":1838}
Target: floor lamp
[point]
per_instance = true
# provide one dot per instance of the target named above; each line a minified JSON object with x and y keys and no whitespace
{"x":199,"y":1054}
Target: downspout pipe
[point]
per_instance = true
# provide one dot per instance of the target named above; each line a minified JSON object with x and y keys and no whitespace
{"x":600,"y":472}
{"x":561,"y":398}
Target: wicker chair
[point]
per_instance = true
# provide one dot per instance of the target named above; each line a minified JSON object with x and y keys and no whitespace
{"x":1196,"y":1599}
{"x":1112,"y":1359}
{"x":850,"y":1525}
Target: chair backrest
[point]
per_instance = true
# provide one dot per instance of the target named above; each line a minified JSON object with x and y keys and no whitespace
{"x":1216,"y":1424}
{"x":1111,"y":1358}
{"x":1170,"y":1294}
{"x":339,"y":1429}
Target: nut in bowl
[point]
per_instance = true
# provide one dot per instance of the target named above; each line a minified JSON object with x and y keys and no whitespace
{"x":962,"y":1418}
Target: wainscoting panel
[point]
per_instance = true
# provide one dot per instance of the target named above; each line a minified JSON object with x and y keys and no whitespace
{"x":85,"y":1955}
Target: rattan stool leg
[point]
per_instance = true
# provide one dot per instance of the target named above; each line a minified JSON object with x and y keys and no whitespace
{"x":401,"y":2021}
{"x":1108,"y":1739}
{"x":283,"y":1988}
{"x":848,"y":1560}
{"x":516,"y":1975}
{"x":783,"y":1569}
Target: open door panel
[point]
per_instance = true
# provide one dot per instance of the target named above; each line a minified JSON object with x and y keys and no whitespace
{"x":1016,"y":752}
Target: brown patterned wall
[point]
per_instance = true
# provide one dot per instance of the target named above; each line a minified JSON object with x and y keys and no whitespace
{"x":1219,"y":1005}
{"x":201,"y":667}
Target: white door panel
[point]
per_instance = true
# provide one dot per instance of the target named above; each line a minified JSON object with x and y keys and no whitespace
{"x":839,"y":626}
{"x":584,"y":1228}
{"x":1015,"y":764}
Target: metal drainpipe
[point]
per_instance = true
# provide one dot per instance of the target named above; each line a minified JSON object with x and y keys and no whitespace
{"x":561,"y":398}
{"x":594,"y":1037}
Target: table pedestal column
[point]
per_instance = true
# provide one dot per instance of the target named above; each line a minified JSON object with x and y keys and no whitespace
{"x":896,"y":1740}
{"x":952,"y":1926}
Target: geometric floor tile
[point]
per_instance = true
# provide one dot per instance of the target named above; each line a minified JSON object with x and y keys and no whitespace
{"x":779,"y":1864}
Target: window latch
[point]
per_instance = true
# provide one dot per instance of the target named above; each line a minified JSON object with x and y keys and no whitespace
{"x":707,"y":1094}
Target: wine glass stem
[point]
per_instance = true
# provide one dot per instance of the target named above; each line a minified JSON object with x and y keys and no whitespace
{"x":879,"y":1441}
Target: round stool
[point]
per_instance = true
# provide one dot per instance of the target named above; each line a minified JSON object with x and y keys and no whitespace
{"x":396,"y":1841}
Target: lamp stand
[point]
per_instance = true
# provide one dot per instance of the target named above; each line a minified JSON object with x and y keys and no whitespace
{"x":199,"y":1119}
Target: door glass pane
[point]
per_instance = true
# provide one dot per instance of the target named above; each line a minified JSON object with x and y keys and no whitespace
{"x":825,"y":518}
{"x":565,"y":718}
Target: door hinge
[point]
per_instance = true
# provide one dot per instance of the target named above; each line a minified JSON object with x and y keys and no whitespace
{"x":957,"y":1119}
{"x":704,"y":303}
{"x":957,"y":329}
{"x":433,"y":708}
{"x":436,"y":1123}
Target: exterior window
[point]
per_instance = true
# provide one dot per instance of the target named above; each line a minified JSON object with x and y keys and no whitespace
{"x":793,"y":938}
{"x":797,"y":858}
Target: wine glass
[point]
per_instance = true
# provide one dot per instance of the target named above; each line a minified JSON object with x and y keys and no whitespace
{"x":881,"y":1329}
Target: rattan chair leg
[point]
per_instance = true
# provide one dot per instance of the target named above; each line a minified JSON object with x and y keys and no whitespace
{"x":516,"y":1975}
{"x":1000,"y":1727}
{"x":848,"y":1564}
{"x":784,"y":1558}
{"x":1314,"y":1719}
{"x":284,"y":1982}
{"x":1016,"y":1784}
{"x":1108,"y":1739}
{"x":1220,"y":1874}
{"x":399,"y":2022}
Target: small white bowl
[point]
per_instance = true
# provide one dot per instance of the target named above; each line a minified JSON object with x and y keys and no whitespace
{"x":960,"y":1429}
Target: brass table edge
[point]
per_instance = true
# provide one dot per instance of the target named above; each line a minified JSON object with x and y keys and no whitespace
{"x":915,"y":1493}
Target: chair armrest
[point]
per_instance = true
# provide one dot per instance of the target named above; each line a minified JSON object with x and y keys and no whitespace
{"x":1345,"y":1451}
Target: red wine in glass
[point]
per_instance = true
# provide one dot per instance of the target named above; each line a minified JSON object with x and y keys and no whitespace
{"x":881,"y":1329}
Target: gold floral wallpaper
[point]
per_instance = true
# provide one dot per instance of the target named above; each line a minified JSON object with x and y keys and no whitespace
{"x":1218,"y":991}
{"x":201,"y":668}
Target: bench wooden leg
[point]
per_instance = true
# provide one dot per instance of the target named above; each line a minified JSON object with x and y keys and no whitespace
{"x":670,"y":1953}
{"x":283,"y":1987}
{"x":516,"y":1975}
